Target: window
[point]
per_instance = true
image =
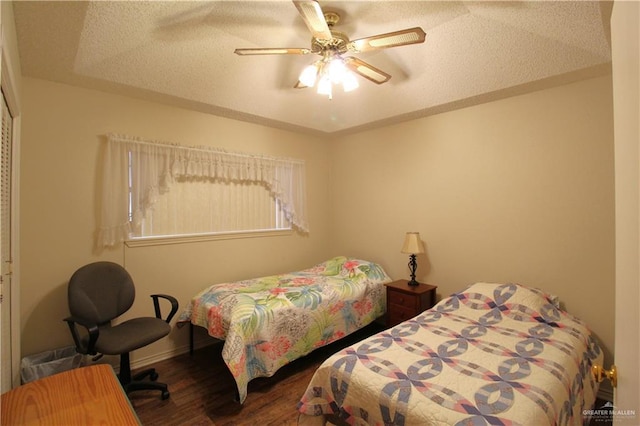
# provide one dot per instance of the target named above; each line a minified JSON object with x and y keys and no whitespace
{"x":199,"y":206}
{"x":155,"y":189}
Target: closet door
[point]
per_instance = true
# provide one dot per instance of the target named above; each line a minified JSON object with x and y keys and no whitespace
{"x":5,"y":247}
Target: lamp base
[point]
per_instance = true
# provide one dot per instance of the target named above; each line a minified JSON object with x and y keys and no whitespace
{"x":413,"y":265}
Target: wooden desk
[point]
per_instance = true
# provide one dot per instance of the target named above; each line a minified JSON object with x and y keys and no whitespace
{"x":84,"y":396}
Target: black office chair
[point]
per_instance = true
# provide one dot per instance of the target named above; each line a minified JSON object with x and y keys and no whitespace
{"x":100,"y":292}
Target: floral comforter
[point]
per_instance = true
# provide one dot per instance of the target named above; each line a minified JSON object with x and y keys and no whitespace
{"x":493,"y":354}
{"x":268,"y":322}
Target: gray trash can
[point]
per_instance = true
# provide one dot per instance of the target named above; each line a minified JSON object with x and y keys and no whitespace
{"x":47,"y":363}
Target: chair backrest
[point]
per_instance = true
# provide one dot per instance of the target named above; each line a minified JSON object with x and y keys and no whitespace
{"x":100,"y":292}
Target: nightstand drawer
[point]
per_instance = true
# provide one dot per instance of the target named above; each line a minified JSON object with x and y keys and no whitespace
{"x":398,"y":313}
{"x":405,"y":302}
{"x":403,"y":299}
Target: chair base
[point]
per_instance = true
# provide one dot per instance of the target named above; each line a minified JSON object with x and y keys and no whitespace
{"x":137,"y":382}
{"x":137,"y":385}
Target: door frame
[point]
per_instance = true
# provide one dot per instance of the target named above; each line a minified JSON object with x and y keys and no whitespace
{"x":7,"y":82}
{"x":625,"y":53}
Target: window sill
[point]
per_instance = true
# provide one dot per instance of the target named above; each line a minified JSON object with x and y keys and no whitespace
{"x":183,"y":239}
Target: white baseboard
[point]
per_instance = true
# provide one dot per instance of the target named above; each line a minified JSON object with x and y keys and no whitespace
{"x":114,"y":360}
{"x":161,"y":356}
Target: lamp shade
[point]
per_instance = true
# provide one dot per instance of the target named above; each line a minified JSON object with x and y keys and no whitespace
{"x":309,"y":75}
{"x":412,"y":243}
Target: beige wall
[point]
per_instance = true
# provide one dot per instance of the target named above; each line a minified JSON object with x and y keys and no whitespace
{"x":518,"y":190}
{"x":62,"y":132}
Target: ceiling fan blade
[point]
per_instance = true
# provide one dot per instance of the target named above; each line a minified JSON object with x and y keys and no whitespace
{"x":393,"y":39}
{"x":366,"y":70}
{"x":272,"y":51}
{"x":314,"y":18}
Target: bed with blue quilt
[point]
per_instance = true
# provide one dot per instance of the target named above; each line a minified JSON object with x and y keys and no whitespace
{"x":270,"y":321}
{"x":498,"y":354}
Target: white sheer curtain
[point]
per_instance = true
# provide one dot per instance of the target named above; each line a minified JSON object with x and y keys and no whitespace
{"x":139,"y":173}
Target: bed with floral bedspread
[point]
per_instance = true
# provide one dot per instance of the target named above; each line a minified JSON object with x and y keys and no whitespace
{"x":499,"y":354}
{"x":270,"y":321}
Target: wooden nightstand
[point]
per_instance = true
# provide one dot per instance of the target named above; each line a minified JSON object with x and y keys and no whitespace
{"x":405,"y":301}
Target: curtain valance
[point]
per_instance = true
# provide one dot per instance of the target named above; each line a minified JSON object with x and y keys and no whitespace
{"x":137,"y":171}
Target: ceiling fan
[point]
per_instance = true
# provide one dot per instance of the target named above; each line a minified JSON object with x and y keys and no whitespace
{"x":331,"y":45}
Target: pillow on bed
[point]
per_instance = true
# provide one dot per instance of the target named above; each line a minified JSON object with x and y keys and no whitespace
{"x":514,"y":294}
{"x":331,"y":266}
{"x":349,"y":268}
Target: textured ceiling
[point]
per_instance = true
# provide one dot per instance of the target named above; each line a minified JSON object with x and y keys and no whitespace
{"x":181,"y":53}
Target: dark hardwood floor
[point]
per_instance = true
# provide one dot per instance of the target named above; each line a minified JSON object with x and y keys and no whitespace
{"x":203,"y":390}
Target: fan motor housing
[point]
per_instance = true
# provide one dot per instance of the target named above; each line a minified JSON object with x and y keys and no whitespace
{"x":338,"y":43}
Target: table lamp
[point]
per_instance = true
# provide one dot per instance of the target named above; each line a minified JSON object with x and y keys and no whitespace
{"x":412,"y":246}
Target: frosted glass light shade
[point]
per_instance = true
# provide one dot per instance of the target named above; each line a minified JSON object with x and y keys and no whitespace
{"x":308,"y":75}
{"x":412,"y":243}
{"x":324,"y":85}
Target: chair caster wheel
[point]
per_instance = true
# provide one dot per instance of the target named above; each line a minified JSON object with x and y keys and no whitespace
{"x":165,"y":395}
{"x":153,"y":376}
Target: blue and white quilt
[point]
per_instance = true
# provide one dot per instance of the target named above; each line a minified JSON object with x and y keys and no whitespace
{"x":499,"y":354}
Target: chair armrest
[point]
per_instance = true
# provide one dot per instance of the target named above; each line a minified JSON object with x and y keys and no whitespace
{"x":92,"y":330}
{"x":156,"y":305}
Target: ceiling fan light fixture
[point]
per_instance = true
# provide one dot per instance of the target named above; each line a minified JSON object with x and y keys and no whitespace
{"x":331,"y":45}
{"x":309,"y":75}
{"x":324,"y":86}
{"x":327,"y":72}
{"x":337,"y":70}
